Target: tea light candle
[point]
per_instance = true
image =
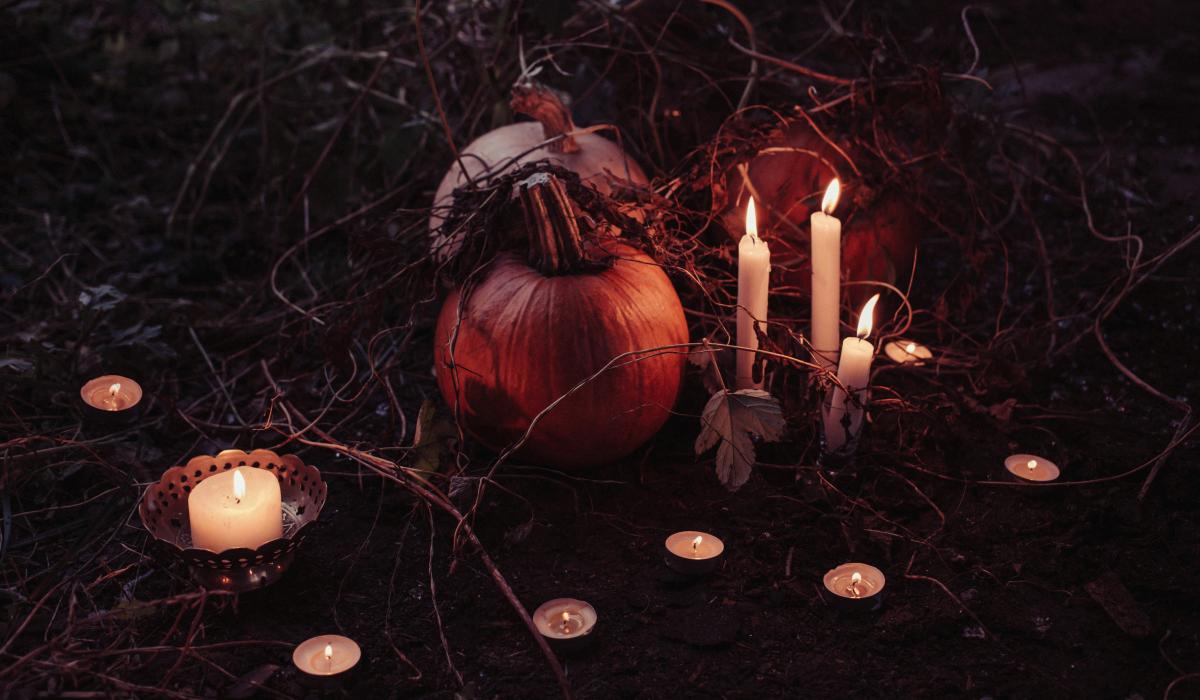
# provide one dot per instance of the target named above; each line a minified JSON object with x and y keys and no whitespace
{"x":693,"y":553}
{"x":326,"y":655}
{"x":1031,"y":467}
{"x":238,"y":508}
{"x":826,"y":258}
{"x":844,"y":418}
{"x":754,"y":272}
{"x":111,"y":393}
{"x":904,"y":352}
{"x":856,"y":585}
{"x":566,"y":623}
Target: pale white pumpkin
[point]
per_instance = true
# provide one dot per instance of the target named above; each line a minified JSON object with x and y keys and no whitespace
{"x":599,"y":162}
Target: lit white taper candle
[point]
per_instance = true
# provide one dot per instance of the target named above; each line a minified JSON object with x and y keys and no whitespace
{"x":826,"y":259}
{"x":754,"y":271}
{"x":854,"y":373}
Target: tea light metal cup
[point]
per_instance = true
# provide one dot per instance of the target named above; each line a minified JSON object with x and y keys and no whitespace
{"x":1031,"y":468}
{"x":566,"y":623}
{"x":855,"y":587}
{"x":907,"y":352}
{"x":693,"y":553}
{"x":110,"y":400}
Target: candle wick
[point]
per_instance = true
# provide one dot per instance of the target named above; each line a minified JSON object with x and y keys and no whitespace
{"x":114,"y":390}
{"x":853,"y":587}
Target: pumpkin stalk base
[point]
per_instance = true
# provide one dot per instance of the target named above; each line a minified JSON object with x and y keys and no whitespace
{"x":555,"y":243}
{"x":542,"y":104}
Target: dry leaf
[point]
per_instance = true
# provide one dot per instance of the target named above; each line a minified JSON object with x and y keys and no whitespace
{"x":734,"y":419}
{"x":432,"y":438}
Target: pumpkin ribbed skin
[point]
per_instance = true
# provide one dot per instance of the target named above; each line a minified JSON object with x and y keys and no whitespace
{"x":524,"y":339}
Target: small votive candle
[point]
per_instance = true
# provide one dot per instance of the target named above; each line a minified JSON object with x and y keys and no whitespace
{"x":566,"y":623}
{"x":110,"y":399}
{"x":326,"y":656}
{"x":904,"y":352}
{"x":1031,"y":467}
{"x":693,"y":553}
{"x":856,"y":586}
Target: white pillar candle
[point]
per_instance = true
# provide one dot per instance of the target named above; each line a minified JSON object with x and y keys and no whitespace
{"x":754,"y":271}
{"x":826,"y":260}
{"x":238,"y":508}
{"x":854,"y":373}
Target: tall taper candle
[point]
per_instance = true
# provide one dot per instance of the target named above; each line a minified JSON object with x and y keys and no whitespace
{"x":854,"y":373}
{"x":826,"y":254}
{"x":754,"y":271}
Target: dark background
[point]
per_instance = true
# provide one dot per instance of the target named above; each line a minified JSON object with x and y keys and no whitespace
{"x":159,"y":159}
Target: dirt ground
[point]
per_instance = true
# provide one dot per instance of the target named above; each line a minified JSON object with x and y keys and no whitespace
{"x":161,"y":157}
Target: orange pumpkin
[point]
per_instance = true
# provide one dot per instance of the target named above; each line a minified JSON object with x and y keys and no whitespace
{"x":600,"y":163}
{"x":790,"y":172}
{"x":529,"y":331}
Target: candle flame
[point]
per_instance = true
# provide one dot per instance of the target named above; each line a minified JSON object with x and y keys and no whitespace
{"x":910,"y":348}
{"x":239,"y":485}
{"x":328,"y":652}
{"x":1032,"y":464}
{"x":852,"y":589}
{"x":696,"y":544}
{"x":830,"y":200}
{"x":114,"y":389}
{"x":866,"y":318}
{"x":751,"y":221}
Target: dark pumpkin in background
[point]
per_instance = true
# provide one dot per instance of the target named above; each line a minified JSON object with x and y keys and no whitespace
{"x":534,"y":327}
{"x":880,"y":228}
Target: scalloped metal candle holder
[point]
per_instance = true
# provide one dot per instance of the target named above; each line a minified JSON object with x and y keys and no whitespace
{"x":165,"y":515}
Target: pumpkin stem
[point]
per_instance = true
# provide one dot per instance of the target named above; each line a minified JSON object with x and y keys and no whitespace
{"x":542,"y":104}
{"x":556,"y":247}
